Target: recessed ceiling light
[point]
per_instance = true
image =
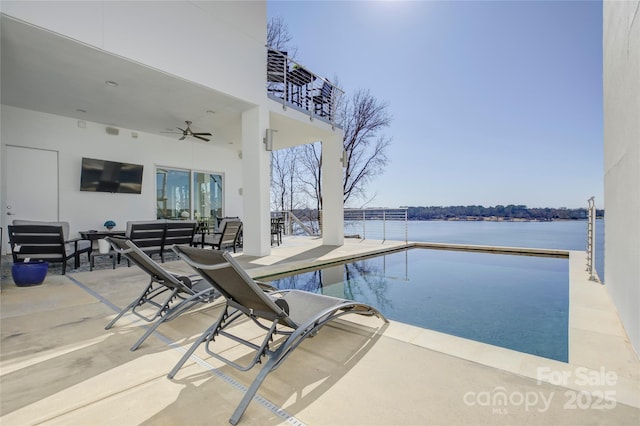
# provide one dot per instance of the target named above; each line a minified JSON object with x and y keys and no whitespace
{"x":111,"y":83}
{"x":81,"y":110}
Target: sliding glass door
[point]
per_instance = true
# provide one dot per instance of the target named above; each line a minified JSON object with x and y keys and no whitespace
{"x":207,"y":197}
{"x":188,"y":194}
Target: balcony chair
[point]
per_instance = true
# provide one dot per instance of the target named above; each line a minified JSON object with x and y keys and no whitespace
{"x":322,"y":102}
{"x":276,"y":71}
{"x":295,"y":314}
{"x":182,"y":293}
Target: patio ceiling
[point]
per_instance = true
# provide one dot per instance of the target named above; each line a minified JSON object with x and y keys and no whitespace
{"x":45,"y":72}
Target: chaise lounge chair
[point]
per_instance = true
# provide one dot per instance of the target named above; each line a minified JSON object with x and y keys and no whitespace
{"x":181,"y":292}
{"x":293,"y":313}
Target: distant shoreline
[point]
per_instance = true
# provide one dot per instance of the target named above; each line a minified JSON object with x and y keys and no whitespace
{"x":499,"y":213}
{"x":497,"y":219}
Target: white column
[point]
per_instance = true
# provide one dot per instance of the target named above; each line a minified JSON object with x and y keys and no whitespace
{"x":256,"y":172}
{"x":332,"y":191}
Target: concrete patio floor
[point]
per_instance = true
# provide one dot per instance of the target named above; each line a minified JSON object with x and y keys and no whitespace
{"x":59,"y":366}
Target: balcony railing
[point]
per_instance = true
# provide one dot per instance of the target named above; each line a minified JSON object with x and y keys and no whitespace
{"x":292,"y":85}
{"x":378,"y":224}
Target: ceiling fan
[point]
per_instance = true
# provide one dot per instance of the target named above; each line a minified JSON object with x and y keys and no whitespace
{"x":188,"y":132}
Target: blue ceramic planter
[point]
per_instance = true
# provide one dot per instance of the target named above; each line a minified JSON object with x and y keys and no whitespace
{"x":26,"y":274}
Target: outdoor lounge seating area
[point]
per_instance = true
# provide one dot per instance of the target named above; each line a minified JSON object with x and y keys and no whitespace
{"x":49,"y":241}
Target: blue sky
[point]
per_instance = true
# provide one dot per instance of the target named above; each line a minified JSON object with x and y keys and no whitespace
{"x":493,"y":102}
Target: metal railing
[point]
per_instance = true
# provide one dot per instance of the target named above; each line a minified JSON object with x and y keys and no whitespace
{"x":591,"y":239}
{"x":294,"y":225}
{"x":291,"y":84}
{"x":376,"y":224}
{"x":380,"y":224}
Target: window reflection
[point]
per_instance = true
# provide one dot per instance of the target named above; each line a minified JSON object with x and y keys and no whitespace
{"x":176,"y":189}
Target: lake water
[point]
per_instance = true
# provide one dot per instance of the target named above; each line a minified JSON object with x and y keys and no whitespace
{"x":564,"y":235}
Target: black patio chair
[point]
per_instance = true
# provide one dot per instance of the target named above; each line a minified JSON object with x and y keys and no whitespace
{"x":47,"y":242}
{"x":230,"y":235}
{"x":322,"y":101}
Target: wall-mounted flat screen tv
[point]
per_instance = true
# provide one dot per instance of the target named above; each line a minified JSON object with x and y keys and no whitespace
{"x":110,"y":176}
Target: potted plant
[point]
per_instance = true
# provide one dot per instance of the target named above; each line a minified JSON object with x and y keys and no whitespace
{"x":29,"y":273}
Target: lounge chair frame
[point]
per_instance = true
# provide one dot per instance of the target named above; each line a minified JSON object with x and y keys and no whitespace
{"x":246,"y":298}
{"x":182,"y":293}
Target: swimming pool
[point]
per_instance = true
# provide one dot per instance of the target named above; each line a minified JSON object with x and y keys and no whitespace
{"x":513,"y":301}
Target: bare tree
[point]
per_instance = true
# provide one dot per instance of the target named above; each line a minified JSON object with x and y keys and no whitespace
{"x":363,"y":119}
{"x":363,"y":122}
{"x":284,"y":178}
{"x":310,"y":162}
{"x":279,"y":37}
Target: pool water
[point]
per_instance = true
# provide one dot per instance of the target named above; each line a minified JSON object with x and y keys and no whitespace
{"x":516,"y":302}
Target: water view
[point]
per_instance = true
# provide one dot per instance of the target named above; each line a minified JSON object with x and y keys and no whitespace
{"x":565,"y":235}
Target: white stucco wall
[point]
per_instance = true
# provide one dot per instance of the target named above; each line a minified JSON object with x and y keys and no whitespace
{"x":225,"y":39}
{"x":89,"y":210}
{"x":621,"y":75}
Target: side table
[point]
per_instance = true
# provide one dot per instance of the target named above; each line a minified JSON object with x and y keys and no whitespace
{"x":95,"y":253}
{"x":96,"y":235}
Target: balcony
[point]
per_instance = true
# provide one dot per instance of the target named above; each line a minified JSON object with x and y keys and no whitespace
{"x":292,"y":85}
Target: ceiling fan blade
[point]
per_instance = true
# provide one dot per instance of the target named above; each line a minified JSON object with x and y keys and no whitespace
{"x":182,"y":130}
{"x":200,"y":137}
{"x":182,"y":138}
{"x":202,"y":134}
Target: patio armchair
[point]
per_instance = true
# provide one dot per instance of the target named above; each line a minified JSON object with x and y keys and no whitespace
{"x":229,"y":235}
{"x":48,"y":241}
{"x":295,"y":314}
{"x":167,"y":294}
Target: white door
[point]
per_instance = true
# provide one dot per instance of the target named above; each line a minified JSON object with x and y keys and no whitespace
{"x":31,"y":185}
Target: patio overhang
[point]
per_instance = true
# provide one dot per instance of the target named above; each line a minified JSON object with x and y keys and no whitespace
{"x":46,"y":72}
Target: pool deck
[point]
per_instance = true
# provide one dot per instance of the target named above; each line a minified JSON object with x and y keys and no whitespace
{"x":59,"y":366}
